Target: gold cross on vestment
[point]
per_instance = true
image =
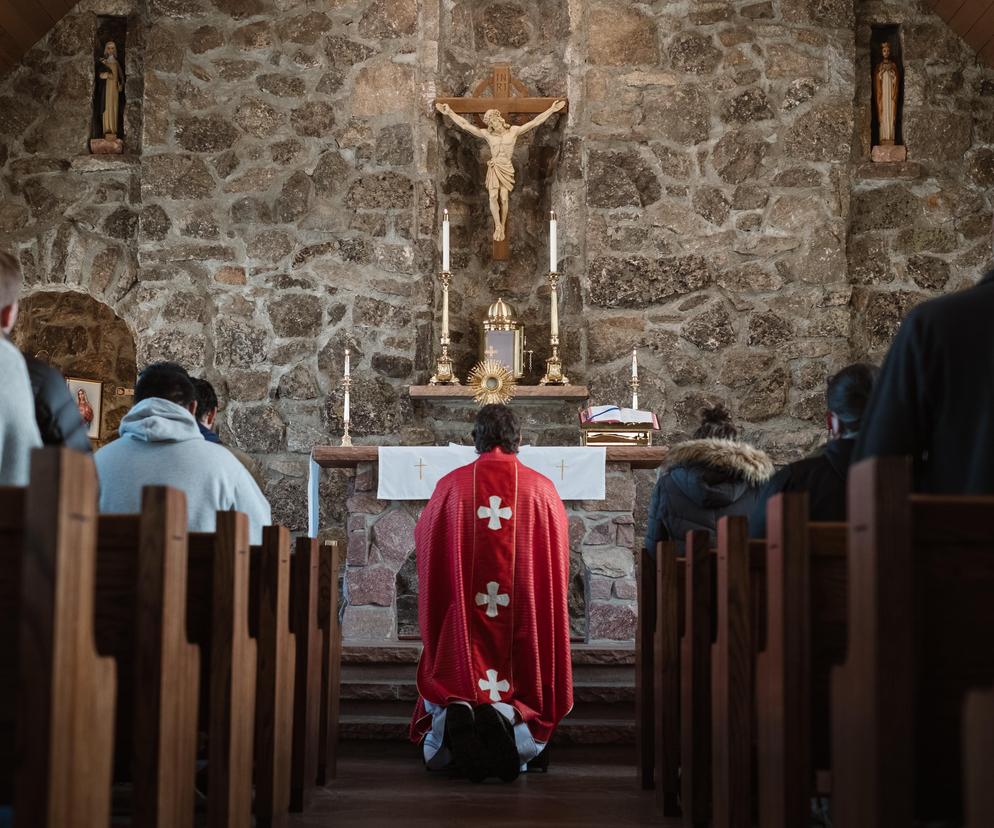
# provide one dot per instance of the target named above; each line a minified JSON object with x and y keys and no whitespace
{"x":420,"y":466}
{"x":562,"y":469}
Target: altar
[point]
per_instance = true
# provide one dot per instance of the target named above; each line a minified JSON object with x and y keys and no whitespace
{"x":380,"y":578}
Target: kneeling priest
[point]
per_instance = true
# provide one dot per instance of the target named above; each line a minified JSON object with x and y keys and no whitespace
{"x":495,"y":676}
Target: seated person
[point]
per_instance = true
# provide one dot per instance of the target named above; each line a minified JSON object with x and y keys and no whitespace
{"x":206,"y":420}
{"x":704,"y":479}
{"x":56,"y":411}
{"x":160,"y":445}
{"x":824,"y":475}
{"x":495,"y":676}
{"x":18,"y":429}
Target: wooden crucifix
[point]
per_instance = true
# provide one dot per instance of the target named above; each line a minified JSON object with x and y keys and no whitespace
{"x":505,"y":113}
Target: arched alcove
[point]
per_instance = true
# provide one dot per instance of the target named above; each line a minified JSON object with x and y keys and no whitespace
{"x":86,"y":340}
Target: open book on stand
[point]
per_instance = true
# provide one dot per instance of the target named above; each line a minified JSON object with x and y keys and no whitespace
{"x":611,"y":425}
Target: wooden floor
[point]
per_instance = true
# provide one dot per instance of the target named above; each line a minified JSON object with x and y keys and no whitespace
{"x":386,"y":784}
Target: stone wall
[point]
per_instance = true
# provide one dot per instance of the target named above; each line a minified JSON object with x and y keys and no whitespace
{"x":285,"y":177}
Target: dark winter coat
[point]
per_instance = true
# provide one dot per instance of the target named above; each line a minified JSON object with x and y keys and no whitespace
{"x":822,"y":476}
{"x":700,"y":482}
{"x":934,"y":398}
{"x":58,"y":417}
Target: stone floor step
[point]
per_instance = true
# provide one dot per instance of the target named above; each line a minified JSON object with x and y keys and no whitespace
{"x":579,"y":731}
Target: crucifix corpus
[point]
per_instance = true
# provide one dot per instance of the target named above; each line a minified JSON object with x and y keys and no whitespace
{"x":504,"y":114}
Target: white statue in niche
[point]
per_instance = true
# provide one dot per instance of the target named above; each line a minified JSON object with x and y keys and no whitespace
{"x":501,"y":137}
{"x":112,"y":75}
{"x":886,"y":80}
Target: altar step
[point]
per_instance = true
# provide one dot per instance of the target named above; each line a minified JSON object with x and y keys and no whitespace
{"x":379,"y":692}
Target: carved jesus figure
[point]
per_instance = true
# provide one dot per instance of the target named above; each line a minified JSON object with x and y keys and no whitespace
{"x":887,"y":81}
{"x":501,"y":138}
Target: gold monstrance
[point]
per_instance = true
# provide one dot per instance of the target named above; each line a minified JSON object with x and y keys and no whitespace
{"x":503,"y":339}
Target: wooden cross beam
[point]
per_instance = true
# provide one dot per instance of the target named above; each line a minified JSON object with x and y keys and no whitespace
{"x":510,"y":97}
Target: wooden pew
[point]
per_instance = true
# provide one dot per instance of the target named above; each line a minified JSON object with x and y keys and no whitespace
{"x":307,"y":681}
{"x":218,"y":620}
{"x":660,"y":595}
{"x":271,"y":626}
{"x":978,"y":759}
{"x":804,"y":639}
{"x":331,"y":661}
{"x":695,"y":681}
{"x":921,"y":622}
{"x":645,"y":641}
{"x":732,"y":708}
{"x":141,"y":622}
{"x":53,"y":683}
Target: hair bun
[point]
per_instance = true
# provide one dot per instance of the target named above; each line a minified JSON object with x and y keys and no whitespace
{"x":716,"y":414}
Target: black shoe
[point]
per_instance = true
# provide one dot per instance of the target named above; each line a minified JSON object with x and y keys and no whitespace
{"x":540,"y":764}
{"x":468,"y":751}
{"x":497,"y":735}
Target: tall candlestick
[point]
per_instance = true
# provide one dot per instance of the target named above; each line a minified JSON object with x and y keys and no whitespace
{"x":554,"y":314}
{"x":445,"y":312}
{"x":445,"y":241}
{"x":635,"y":380}
{"x":347,"y":386}
{"x":443,"y":369}
{"x":554,"y":365}
{"x":553,"y":234}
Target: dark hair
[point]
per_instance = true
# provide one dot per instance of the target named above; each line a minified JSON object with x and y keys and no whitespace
{"x":167,"y":381}
{"x":716,"y":424}
{"x":206,"y":396}
{"x":496,"y":427}
{"x":10,"y":279}
{"x":848,"y":394}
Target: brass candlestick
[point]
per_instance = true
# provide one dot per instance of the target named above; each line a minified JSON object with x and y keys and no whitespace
{"x":347,"y":385}
{"x":635,"y":393}
{"x":554,"y":365}
{"x":443,"y":366}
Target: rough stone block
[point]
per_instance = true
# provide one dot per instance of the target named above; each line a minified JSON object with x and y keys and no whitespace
{"x":612,"y":621}
{"x":358,"y":548}
{"x":600,"y":588}
{"x":600,"y":534}
{"x":626,"y":589}
{"x":374,"y":584}
{"x":364,"y":504}
{"x":610,"y":561}
{"x":394,"y":536}
{"x":366,"y":477}
{"x":368,"y":624}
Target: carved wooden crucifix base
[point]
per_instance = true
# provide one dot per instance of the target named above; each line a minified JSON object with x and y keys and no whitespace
{"x":508,"y":96}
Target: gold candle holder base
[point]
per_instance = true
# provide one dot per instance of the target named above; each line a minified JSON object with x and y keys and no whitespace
{"x":554,"y":369}
{"x":444,"y":375}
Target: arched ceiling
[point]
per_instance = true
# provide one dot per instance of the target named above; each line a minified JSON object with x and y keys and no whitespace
{"x":973,"y":20}
{"x":23,"y":23}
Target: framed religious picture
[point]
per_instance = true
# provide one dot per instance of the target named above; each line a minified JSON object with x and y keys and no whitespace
{"x":88,"y":395}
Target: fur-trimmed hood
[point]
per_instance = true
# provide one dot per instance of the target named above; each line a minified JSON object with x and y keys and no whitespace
{"x":748,"y":463}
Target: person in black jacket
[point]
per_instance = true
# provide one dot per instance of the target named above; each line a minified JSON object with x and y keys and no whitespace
{"x":823,"y":476}
{"x":55,"y":410}
{"x":703,"y":479}
{"x":935,"y":395}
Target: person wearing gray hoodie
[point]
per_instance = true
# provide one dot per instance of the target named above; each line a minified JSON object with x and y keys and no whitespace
{"x":161,"y":445}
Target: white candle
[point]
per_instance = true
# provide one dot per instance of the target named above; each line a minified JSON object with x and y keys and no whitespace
{"x":635,"y":364}
{"x":553,"y":253}
{"x":347,"y":362}
{"x":445,"y":241}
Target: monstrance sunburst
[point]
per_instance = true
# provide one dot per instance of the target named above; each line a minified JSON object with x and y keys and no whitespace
{"x":491,"y":383}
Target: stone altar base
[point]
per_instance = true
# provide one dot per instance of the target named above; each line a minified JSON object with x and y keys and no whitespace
{"x":381,"y":572}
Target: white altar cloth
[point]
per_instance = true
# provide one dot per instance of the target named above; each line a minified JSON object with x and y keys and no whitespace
{"x":412,"y":472}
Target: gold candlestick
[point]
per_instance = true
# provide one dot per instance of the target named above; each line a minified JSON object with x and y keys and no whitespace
{"x":635,"y":393}
{"x":347,"y":385}
{"x":443,"y":366}
{"x":554,"y":365}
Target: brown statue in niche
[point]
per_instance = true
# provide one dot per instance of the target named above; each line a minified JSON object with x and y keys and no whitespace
{"x":886,"y":92}
{"x":113,"y":83}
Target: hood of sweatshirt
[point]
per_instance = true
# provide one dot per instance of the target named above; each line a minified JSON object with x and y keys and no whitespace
{"x":155,"y":420}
